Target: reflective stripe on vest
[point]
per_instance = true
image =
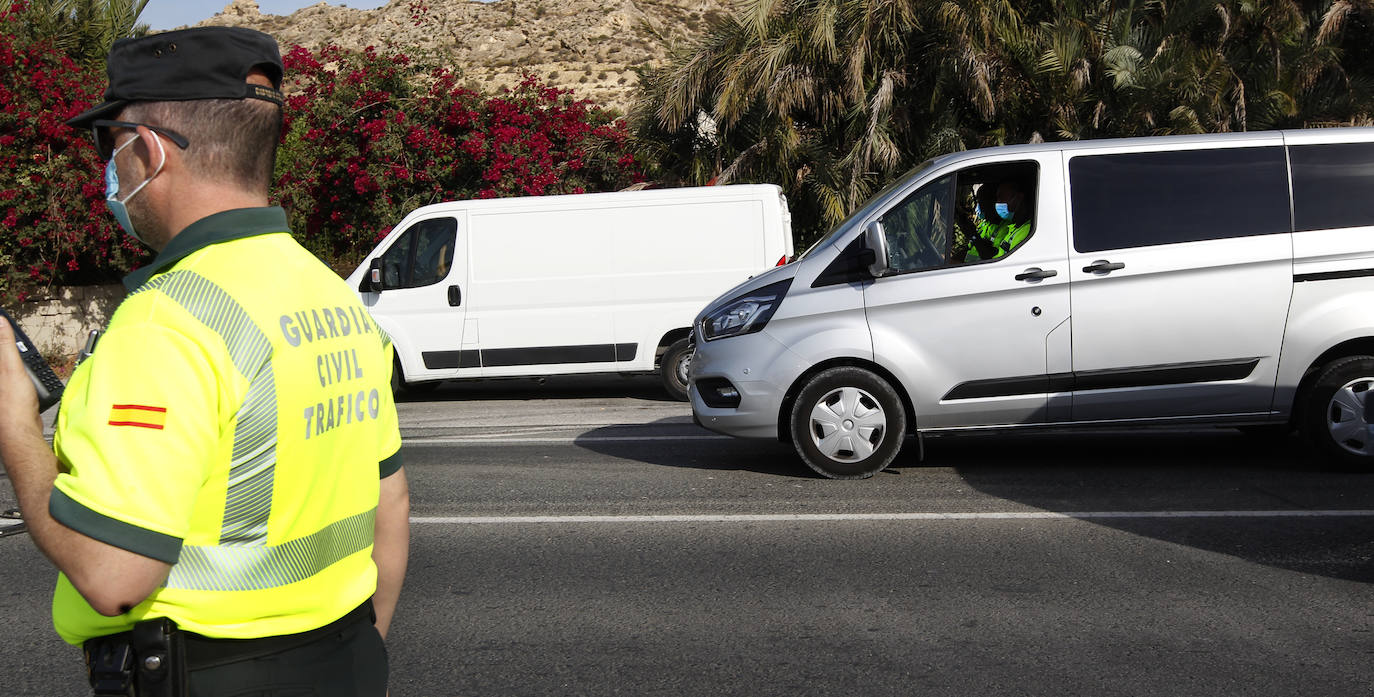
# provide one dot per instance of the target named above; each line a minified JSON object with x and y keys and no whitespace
{"x":238,"y":568}
{"x":252,"y":468}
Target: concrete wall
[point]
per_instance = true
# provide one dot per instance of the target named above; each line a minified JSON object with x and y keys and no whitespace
{"x":59,"y":322}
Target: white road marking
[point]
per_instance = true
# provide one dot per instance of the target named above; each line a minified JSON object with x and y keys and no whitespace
{"x":811,"y":517}
{"x":516,"y":440}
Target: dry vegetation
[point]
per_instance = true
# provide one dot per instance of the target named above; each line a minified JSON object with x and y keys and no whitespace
{"x":591,"y":46}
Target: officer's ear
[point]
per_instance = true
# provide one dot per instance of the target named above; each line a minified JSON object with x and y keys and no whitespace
{"x":151,"y":152}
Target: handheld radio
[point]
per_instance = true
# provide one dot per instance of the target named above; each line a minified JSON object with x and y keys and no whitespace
{"x":45,"y":381}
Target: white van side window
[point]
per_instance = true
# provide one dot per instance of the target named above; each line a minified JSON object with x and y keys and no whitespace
{"x":421,"y":255}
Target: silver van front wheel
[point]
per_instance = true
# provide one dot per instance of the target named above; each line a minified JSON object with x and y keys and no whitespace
{"x":847,"y":423}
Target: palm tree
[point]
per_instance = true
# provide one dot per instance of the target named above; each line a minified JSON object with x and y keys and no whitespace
{"x":807,"y":93}
{"x":832,"y":98}
{"x":1144,"y":67}
{"x":83,"y":29}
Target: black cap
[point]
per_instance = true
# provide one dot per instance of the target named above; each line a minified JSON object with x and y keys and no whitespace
{"x":174,"y":66}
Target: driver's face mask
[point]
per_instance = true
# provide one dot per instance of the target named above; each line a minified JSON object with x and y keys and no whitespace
{"x":112,"y":200}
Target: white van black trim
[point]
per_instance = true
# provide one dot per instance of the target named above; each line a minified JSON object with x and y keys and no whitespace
{"x":1332,"y":275}
{"x":1104,"y":379}
{"x":437,"y":360}
{"x":538,"y":355}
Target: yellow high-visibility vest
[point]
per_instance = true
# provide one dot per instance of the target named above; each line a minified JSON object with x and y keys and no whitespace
{"x":1004,"y":236}
{"x":234,"y":421}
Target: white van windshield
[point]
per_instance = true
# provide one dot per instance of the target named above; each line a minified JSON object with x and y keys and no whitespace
{"x":872,"y":203}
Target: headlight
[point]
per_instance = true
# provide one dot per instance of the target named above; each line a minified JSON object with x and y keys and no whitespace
{"x":745,"y":314}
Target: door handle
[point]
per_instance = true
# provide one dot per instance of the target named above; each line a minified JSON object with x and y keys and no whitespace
{"x":1035,"y":274}
{"x":455,"y":296}
{"x":1103,"y":266}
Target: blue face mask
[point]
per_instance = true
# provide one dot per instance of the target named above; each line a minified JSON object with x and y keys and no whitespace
{"x":116,"y":206}
{"x":1003,"y":211}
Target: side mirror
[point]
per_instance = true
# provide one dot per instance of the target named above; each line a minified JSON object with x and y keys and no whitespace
{"x":876,"y":241}
{"x":374,"y":276}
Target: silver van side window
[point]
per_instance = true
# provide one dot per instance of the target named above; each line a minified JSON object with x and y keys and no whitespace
{"x":974,"y":215}
{"x":1153,"y":198}
{"x":995,"y":211}
{"x":918,"y":229}
{"x":1331,"y":185}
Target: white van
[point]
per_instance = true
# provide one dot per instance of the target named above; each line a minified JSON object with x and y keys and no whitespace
{"x":1213,"y":279}
{"x":550,"y":285}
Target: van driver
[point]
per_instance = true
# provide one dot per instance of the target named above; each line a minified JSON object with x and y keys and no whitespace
{"x":1003,"y":220}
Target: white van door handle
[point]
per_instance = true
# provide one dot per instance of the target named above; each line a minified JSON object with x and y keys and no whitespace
{"x":1103,"y":266}
{"x":1035,"y":274}
{"x":455,"y":296}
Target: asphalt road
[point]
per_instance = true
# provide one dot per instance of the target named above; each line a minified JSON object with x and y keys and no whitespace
{"x":582,"y":537}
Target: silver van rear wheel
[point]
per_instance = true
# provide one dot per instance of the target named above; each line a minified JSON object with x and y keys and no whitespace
{"x":847,"y":423}
{"x":1345,"y":418}
{"x":1339,"y":416}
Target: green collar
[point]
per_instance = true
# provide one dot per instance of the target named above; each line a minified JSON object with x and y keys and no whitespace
{"x":212,"y":229}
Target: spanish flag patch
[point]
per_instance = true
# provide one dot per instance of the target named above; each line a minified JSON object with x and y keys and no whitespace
{"x":138,"y":415}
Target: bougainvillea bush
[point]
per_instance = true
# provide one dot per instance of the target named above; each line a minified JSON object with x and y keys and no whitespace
{"x":372,"y":135}
{"x":56,"y":230}
{"x":368,"y":136}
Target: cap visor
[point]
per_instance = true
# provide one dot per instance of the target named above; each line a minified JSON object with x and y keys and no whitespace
{"x":84,"y":119}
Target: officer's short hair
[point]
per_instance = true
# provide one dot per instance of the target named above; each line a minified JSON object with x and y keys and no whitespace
{"x":233,"y":141}
{"x":200,"y":83}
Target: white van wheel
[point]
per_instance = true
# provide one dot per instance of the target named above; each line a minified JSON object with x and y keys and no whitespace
{"x":1337,"y":421}
{"x":848,"y":423}
{"x":399,"y":385}
{"x":674,"y":368}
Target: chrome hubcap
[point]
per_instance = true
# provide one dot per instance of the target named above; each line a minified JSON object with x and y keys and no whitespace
{"x":1345,"y":417}
{"x":684,"y":367}
{"x":848,"y":425}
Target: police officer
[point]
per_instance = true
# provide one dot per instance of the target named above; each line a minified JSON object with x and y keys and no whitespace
{"x":225,"y":476}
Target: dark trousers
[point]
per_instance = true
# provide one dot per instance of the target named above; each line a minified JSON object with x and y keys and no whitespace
{"x":347,"y":661}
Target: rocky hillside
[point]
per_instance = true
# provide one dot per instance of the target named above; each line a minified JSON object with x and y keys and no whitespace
{"x":591,"y":46}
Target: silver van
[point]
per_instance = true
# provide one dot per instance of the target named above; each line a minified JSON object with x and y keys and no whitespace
{"x":1216,"y":279}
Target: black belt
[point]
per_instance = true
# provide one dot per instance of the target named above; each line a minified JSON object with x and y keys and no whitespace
{"x":207,"y":652}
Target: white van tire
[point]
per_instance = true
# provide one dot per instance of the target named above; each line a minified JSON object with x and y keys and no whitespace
{"x":673,"y":368}
{"x":847,"y":423}
{"x":399,"y":385}
{"x":1335,"y":420}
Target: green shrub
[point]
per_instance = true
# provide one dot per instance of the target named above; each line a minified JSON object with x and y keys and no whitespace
{"x":52,"y":201}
